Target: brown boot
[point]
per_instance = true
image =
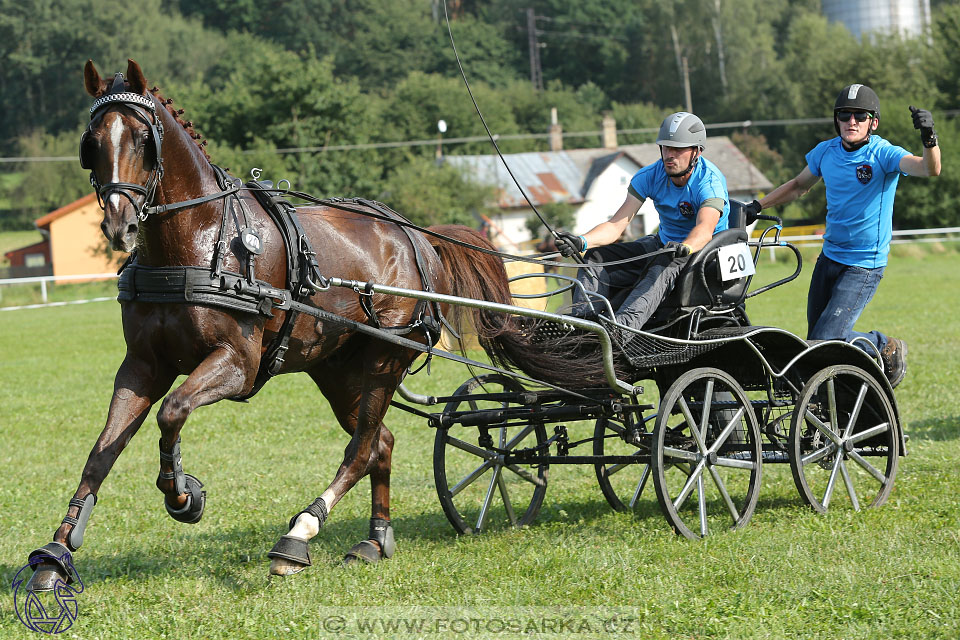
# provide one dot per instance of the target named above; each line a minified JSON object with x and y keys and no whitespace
{"x":894,"y":356}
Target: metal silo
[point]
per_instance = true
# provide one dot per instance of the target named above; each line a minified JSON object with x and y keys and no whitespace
{"x":909,"y":18}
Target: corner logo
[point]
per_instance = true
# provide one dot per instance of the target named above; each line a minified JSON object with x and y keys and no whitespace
{"x":864,"y":173}
{"x":47,"y":612}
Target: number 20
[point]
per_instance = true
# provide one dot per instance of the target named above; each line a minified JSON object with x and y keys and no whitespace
{"x":737,"y":263}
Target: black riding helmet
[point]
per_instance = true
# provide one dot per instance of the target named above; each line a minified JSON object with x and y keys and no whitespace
{"x":856,"y":97}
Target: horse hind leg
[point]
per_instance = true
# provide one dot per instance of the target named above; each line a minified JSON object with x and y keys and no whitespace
{"x":380,"y":542}
{"x":291,"y":553}
{"x":359,"y":400}
{"x":221,"y":375}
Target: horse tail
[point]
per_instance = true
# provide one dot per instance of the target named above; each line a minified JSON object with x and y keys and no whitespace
{"x":511,"y":341}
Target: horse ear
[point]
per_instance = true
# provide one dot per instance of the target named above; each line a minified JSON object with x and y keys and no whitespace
{"x":91,"y":80}
{"x":138,"y":84}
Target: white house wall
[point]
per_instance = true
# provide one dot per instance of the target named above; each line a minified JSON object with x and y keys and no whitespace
{"x":607,"y":193}
{"x":509,"y":229}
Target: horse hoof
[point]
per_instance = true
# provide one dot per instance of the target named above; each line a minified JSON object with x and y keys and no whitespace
{"x":289,"y":556}
{"x":192,"y":511}
{"x":367,"y":550}
{"x":284,"y":567}
{"x":46,"y":577}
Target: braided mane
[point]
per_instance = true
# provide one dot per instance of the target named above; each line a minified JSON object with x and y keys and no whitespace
{"x":186,"y":124}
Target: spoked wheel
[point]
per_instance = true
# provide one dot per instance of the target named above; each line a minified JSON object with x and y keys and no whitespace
{"x":621,"y":482}
{"x":706,"y":454}
{"x":844,"y":430}
{"x":477,"y":491}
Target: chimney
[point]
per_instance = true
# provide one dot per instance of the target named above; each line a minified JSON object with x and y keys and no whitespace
{"x":555,"y":131}
{"x":609,"y":126}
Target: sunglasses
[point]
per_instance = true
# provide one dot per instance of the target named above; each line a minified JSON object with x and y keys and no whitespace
{"x":860,"y":116}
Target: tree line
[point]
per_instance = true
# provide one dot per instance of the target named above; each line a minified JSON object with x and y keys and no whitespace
{"x":255,"y":78}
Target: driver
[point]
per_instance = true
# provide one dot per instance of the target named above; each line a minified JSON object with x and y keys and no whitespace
{"x":690,"y":195}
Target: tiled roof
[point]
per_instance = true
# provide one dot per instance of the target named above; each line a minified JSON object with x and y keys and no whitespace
{"x":566,"y":176}
{"x":545,"y":176}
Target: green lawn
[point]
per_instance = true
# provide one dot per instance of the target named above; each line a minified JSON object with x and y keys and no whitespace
{"x":8,"y":181}
{"x":893,"y":572}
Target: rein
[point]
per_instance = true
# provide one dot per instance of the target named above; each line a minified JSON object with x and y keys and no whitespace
{"x":340,"y":203}
{"x":186,"y":204}
{"x":143,"y":106}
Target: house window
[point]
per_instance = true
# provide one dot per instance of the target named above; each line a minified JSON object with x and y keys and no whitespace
{"x":623,"y":179}
{"x":34,"y":260}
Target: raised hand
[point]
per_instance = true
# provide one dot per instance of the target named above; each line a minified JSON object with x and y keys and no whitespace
{"x":923,"y":120}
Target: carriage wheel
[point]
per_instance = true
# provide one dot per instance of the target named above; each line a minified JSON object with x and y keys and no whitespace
{"x":476,"y":490}
{"x":706,"y":455}
{"x":621,"y":483}
{"x":843,"y":410}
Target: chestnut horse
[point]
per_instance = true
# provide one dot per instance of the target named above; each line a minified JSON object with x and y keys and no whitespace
{"x":161,"y":196}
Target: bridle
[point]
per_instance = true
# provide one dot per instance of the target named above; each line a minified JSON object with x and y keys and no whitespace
{"x":145,"y":110}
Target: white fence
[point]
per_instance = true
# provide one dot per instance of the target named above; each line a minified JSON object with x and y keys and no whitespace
{"x":43,"y":280}
{"x":902,"y":236}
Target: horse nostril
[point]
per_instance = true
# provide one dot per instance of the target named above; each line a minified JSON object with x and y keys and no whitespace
{"x":103,"y":227}
{"x":132,"y":228}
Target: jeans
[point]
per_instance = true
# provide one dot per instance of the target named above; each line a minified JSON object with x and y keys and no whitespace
{"x":642,"y":284}
{"x":838,"y":295}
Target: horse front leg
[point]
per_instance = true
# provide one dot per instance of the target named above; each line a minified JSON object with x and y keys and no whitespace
{"x":225,"y":373}
{"x":360,"y":400}
{"x":137,"y":386}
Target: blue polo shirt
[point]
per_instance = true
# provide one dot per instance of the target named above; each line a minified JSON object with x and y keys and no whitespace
{"x":678,"y":206}
{"x":861,"y":186}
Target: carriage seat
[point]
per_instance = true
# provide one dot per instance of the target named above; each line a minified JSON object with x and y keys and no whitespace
{"x":699,"y":282}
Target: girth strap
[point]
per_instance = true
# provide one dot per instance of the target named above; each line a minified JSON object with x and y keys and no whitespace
{"x":302,"y":271}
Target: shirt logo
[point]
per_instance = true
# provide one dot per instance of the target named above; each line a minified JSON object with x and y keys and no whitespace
{"x":686,"y":209}
{"x":864,"y":173}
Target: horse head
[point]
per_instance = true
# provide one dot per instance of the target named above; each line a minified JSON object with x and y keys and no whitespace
{"x":121,"y":148}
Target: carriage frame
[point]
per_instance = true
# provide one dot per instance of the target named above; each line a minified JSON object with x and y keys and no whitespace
{"x":733,"y":397}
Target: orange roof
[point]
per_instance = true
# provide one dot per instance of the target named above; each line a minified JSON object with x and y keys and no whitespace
{"x":64,"y":210}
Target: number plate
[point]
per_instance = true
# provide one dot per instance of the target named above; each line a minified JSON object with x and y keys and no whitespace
{"x":735,"y":261}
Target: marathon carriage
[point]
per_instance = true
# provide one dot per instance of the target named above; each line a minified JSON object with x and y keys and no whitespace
{"x":732,"y":397}
{"x":229,"y":285}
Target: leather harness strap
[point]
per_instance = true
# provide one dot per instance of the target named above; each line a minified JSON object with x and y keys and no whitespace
{"x":215,"y":287}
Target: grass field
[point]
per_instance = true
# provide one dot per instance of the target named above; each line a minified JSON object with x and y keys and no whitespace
{"x":892,"y":572}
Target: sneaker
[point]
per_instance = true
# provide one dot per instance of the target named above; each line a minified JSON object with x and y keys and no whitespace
{"x":894,"y":356}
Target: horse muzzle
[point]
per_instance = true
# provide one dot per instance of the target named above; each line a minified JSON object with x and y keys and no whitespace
{"x":120,"y":228}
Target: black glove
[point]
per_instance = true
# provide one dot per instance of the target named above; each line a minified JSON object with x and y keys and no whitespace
{"x":680,"y":249}
{"x":923,"y":120}
{"x":569,"y":244}
{"x":751,"y":211}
